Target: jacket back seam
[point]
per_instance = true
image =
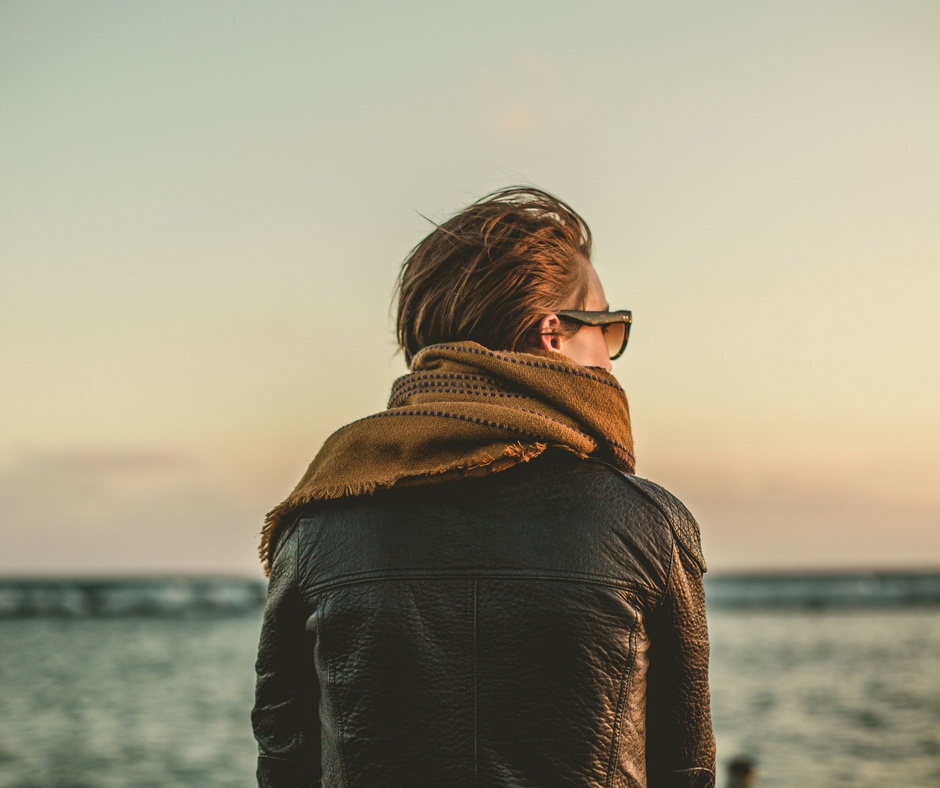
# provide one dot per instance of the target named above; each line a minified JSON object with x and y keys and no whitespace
{"x":334,"y":708}
{"x":476,"y":685}
{"x":625,"y":676}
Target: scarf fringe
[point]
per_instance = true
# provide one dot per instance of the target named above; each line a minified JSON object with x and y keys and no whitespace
{"x":464,"y":411}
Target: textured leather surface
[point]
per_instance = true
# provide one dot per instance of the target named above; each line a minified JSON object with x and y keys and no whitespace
{"x":683,"y":523}
{"x":538,"y":627}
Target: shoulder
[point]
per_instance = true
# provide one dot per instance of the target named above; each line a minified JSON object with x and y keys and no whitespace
{"x":645,"y":512}
{"x":683,"y":525}
{"x":658,"y":518}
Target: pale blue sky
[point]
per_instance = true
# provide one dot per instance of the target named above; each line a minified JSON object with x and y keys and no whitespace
{"x":204,"y":205}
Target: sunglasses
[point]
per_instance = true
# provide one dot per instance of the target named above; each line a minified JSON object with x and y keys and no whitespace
{"x":616,"y":326}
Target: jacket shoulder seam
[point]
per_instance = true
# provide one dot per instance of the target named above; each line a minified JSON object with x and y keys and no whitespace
{"x":681,"y":522}
{"x":283,"y":538}
{"x":375,"y":576}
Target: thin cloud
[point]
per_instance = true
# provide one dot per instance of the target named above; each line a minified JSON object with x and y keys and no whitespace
{"x":516,"y":122}
{"x":100,"y":462}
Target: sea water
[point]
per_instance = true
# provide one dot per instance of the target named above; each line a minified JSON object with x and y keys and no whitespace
{"x":817,"y":697}
{"x":829,"y":697}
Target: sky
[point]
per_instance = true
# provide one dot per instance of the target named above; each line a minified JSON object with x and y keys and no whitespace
{"x":203,"y":208}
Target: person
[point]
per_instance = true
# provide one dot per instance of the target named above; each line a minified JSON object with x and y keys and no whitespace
{"x":472,"y":587}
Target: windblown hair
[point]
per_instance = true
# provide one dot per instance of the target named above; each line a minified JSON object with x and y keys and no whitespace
{"x":491,"y":272}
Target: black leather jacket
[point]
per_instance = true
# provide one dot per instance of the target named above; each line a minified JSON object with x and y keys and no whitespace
{"x":542,"y":626}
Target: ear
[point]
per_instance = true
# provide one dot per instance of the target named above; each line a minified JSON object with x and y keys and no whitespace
{"x":548,"y":338}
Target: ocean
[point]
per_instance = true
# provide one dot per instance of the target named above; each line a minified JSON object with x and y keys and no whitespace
{"x":136,"y":684}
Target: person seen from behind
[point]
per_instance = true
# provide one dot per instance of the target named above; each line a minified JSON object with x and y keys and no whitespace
{"x":472,"y":587}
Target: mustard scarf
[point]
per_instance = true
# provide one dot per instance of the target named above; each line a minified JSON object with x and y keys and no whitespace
{"x":463,"y":411}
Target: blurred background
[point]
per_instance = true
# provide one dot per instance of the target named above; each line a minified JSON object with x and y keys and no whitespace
{"x":202,"y":213}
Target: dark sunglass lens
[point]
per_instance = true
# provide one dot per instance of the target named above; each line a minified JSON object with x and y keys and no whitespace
{"x":615,"y":334}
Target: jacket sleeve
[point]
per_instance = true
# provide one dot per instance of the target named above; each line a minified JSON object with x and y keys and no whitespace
{"x":680,"y":746}
{"x":285,"y":717}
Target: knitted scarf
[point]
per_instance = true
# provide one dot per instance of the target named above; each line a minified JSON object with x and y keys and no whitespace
{"x":466,"y":411}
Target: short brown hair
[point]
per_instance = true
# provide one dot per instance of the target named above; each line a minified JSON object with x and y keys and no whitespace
{"x":491,"y":272}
